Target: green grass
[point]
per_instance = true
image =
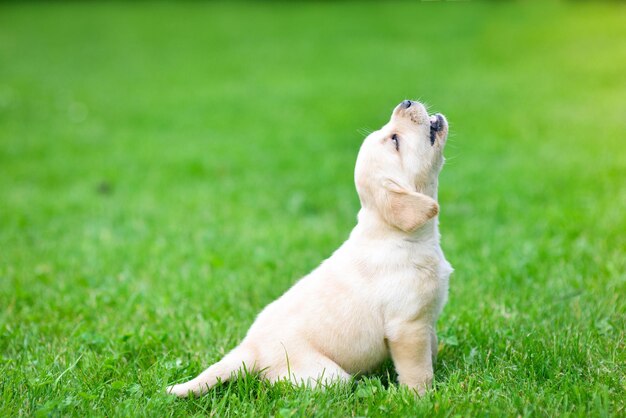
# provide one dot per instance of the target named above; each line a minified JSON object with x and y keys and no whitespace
{"x":166,"y":170}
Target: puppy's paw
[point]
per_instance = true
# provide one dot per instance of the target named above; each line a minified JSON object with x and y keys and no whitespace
{"x":182,"y":391}
{"x":420,"y":390}
{"x":421,"y":385}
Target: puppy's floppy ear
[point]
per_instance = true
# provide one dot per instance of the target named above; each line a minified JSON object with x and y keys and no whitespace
{"x":406,"y":209}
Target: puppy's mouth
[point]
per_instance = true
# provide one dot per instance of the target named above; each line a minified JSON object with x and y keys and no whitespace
{"x":437,"y":124}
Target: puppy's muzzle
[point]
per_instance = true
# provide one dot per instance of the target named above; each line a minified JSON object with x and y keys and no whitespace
{"x":437,"y":124}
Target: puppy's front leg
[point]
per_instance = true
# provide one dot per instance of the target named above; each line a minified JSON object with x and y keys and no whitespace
{"x":411,"y":352}
{"x":434,"y":346}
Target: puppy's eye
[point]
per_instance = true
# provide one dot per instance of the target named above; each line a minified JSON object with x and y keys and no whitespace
{"x":396,"y":141}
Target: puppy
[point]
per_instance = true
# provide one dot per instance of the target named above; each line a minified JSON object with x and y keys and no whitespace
{"x":380,"y":293}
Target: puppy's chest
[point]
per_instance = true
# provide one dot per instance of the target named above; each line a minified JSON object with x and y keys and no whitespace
{"x":415,"y":287}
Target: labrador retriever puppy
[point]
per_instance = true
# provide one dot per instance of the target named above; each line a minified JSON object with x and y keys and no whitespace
{"x":380,"y":293}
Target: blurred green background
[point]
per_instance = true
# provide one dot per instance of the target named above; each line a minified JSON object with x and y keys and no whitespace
{"x":167,"y":169}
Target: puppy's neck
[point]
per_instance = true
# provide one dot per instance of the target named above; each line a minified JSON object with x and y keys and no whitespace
{"x":371,"y":226}
{"x":430,"y":189}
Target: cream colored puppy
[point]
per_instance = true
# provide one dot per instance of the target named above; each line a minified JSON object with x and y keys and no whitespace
{"x":380,"y":293}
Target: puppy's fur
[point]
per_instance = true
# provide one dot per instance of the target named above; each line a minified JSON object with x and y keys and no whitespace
{"x":380,"y":293}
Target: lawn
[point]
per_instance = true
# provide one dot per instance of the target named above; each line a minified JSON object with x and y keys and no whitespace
{"x":168,"y":169}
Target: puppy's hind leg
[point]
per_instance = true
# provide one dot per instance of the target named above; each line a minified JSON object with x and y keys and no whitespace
{"x":315,"y":371}
{"x":222,"y":370}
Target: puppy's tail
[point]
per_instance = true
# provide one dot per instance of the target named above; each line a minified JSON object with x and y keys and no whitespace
{"x":236,"y":360}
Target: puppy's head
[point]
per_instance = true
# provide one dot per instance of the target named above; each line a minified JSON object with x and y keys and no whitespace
{"x":398,"y":166}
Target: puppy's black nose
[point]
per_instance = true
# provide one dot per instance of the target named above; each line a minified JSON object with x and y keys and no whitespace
{"x":406,"y":104}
